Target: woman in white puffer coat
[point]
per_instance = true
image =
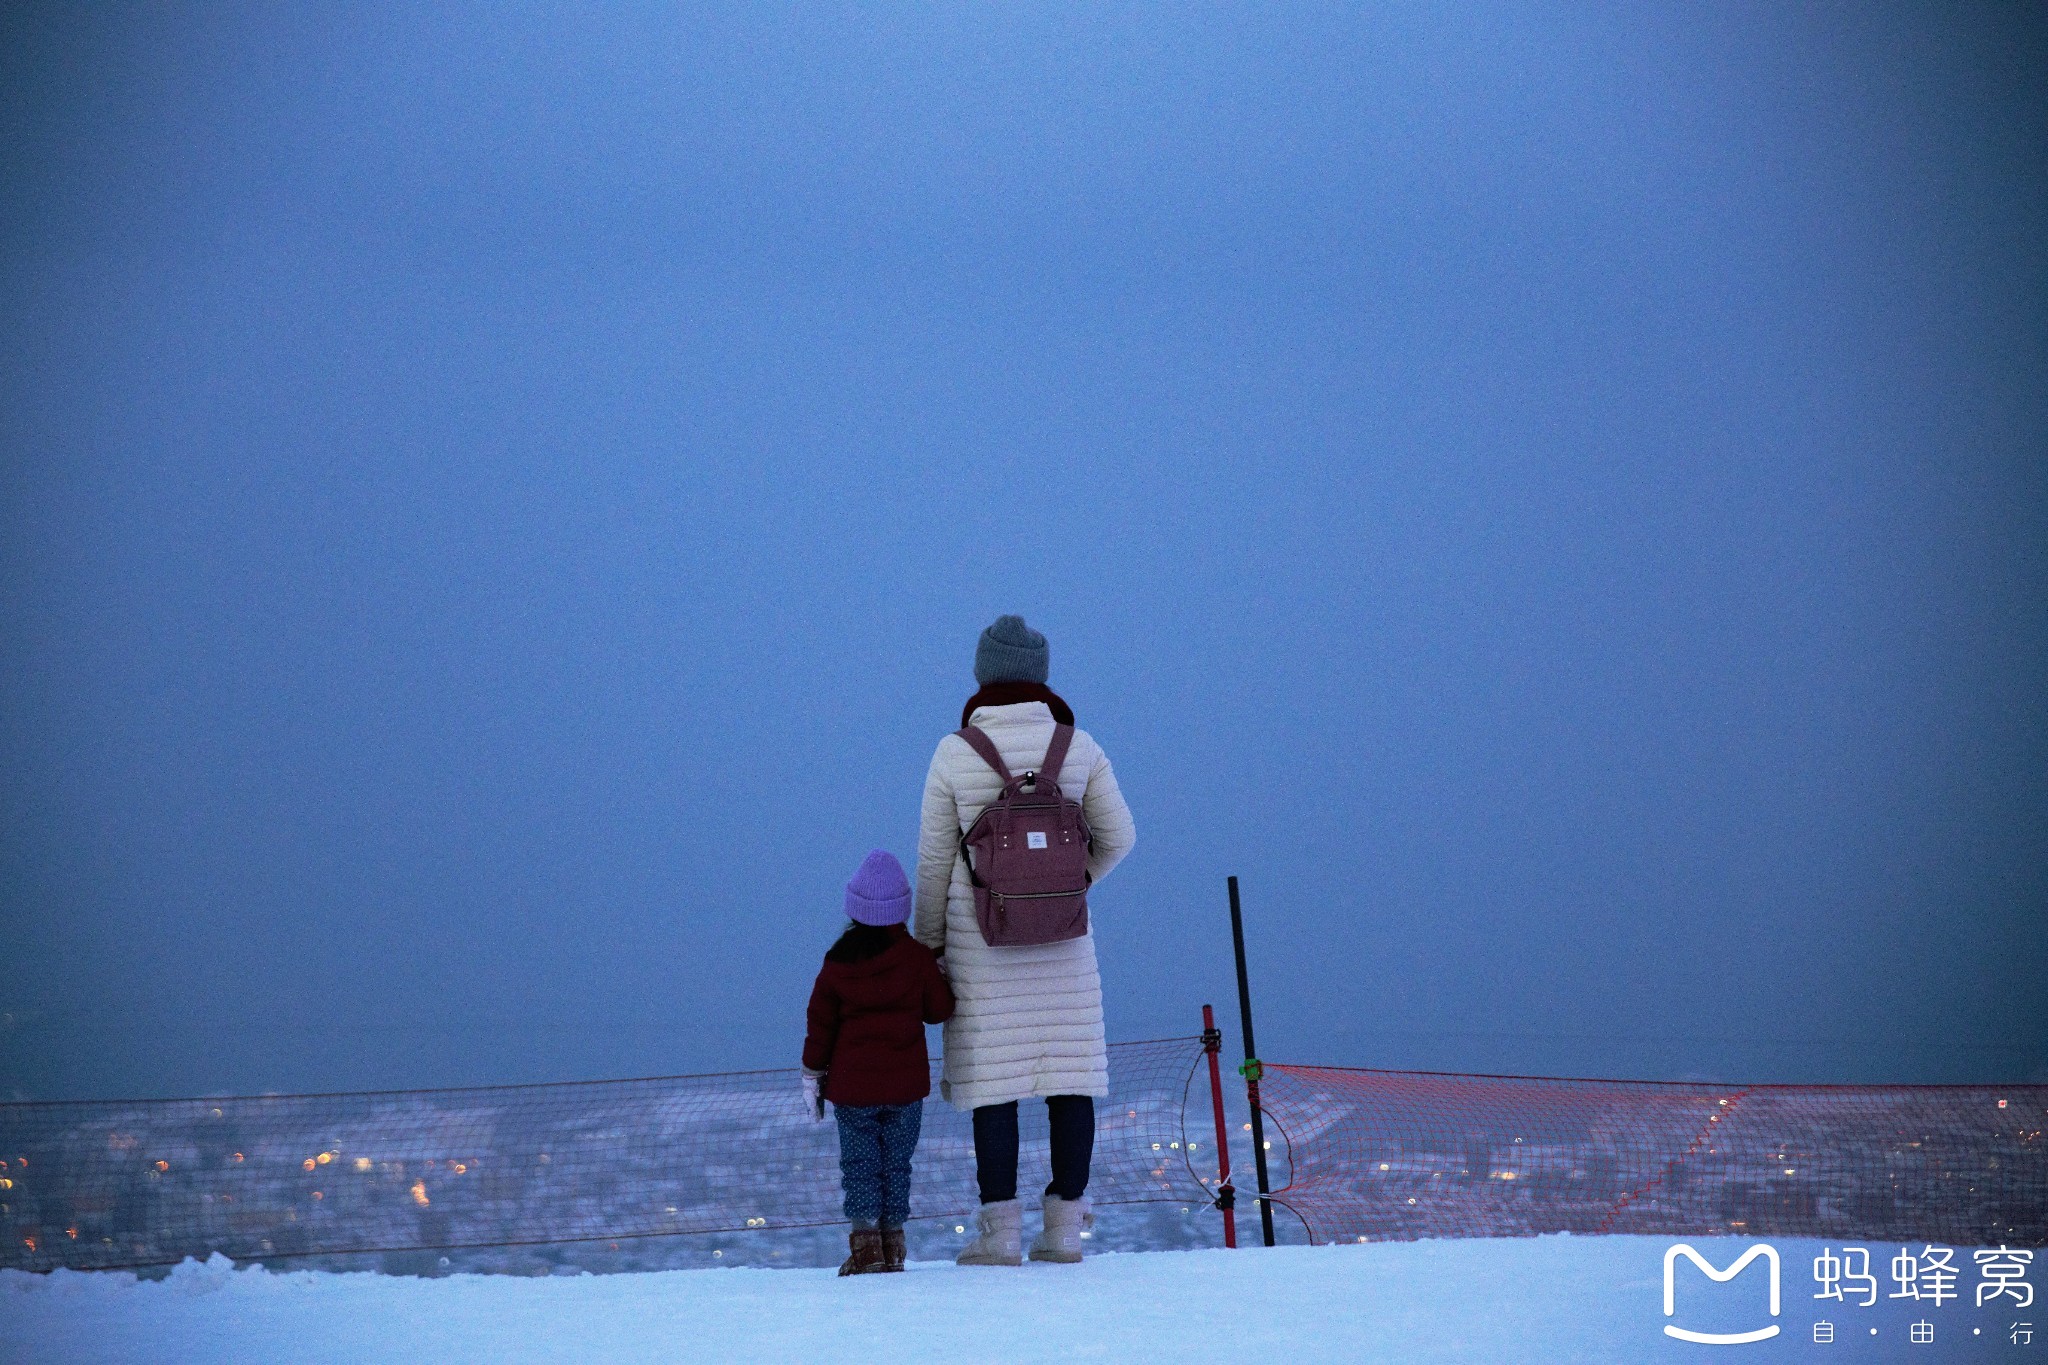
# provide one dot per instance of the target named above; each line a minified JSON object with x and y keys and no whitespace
{"x":1028,"y":1020}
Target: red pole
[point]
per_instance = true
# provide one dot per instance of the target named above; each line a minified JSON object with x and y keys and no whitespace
{"x":1212,"y":1043}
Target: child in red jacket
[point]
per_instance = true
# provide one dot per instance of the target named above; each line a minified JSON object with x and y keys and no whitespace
{"x":865,"y":1052}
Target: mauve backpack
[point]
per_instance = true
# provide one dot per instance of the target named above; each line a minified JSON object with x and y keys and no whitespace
{"x":1027,"y":853}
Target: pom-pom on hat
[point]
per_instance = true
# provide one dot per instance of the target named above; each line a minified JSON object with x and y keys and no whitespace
{"x":1010,"y":651}
{"x":879,"y":893}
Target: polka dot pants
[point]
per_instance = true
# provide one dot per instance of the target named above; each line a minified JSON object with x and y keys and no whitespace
{"x":875,"y":1143}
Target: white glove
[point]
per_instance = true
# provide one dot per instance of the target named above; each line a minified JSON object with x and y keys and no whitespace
{"x":814,"y":1101}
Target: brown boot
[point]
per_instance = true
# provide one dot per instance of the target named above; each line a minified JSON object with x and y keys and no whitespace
{"x":892,"y":1248}
{"x":865,"y":1244}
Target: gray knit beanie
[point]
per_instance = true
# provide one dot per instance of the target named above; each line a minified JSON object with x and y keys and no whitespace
{"x":1011,"y":651}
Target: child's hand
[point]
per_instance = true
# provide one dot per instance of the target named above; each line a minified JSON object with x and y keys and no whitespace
{"x":814,"y":1099}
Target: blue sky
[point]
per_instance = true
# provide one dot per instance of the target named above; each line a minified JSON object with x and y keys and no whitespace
{"x":497,"y":506}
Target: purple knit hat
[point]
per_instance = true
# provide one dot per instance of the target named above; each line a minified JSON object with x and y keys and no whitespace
{"x":879,"y":893}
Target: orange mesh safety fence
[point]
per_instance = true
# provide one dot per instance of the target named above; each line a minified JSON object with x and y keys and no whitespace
{"x":99,"y":1184}
{"x":1377,"y":1155}
{"x":1357,"y":1154}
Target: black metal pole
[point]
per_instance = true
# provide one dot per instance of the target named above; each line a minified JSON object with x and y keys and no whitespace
{"x":1251,"y":1067}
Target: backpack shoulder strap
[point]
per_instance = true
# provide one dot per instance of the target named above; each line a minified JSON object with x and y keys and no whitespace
{"x":1056,"y":754}
{"x":979,"y":741}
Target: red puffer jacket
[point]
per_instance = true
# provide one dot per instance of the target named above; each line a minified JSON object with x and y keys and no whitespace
{"x":867,"y":1023}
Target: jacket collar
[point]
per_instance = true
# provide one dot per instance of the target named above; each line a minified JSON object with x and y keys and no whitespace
{"x":997,"y":694}
{"x":1017,"y":713}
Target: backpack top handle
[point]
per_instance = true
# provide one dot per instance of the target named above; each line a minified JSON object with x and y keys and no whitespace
{"x":1049,"y":771}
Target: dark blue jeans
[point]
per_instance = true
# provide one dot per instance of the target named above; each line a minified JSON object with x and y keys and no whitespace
{"x":1073,"y":1145}
{"x":875,"y":1143}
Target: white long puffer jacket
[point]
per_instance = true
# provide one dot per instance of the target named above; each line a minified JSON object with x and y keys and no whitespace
{"x":1027,"y":1020}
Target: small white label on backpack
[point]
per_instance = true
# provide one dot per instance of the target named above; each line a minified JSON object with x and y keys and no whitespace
{"x":1034,"y":838}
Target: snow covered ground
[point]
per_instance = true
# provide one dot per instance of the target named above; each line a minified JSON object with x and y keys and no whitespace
{"x":1512,"y":1299}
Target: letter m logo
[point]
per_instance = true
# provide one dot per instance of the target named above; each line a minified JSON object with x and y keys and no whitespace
{"x":1769,"y":1253}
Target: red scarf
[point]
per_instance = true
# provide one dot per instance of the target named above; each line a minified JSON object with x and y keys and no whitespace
{"x":1010,"y":693}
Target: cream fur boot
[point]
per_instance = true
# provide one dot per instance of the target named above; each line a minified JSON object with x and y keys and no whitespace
{"x":1060,"y":1239}
{"x":1001,"y":1239}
